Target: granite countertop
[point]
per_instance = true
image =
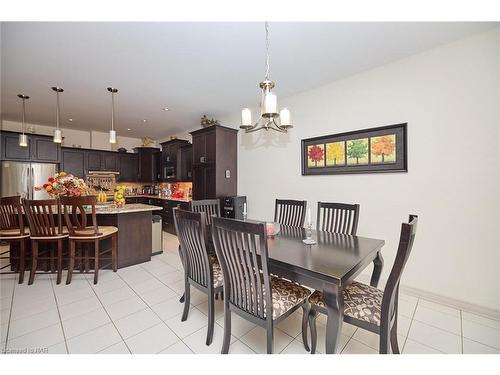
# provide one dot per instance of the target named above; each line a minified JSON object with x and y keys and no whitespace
{"x":126,"y":209}
{"x":162,"y":198}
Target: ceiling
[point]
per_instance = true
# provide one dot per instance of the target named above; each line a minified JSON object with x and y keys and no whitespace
{"x":191,"y":68}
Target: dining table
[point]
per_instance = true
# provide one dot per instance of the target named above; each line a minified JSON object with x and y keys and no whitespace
{"x":329,"y":266}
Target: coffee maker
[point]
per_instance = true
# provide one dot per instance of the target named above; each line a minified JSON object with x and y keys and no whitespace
{"x":232,"y":207}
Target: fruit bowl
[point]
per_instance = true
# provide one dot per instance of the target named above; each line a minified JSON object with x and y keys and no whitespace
{"x":272,"y":229}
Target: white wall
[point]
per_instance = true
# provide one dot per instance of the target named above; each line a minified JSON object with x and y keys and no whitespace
{"x":450,"y":97}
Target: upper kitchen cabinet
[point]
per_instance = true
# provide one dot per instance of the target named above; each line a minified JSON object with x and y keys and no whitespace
{"x":128,"y":167}
{"x":170,"y":153}
{"x":147,"y":165}
{"x":214,"y":162}
{"x":73,"y":161}
{"x":185,"y":163}
{"x":110,"y":161}
{"x":94,"y":160}
{"x":40,"y":148}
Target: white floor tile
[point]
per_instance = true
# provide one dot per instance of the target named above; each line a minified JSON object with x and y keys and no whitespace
{"x":406,"y":308}
{"x":57,"y":349}
{"x":136,"y":323}
{"x":117,"y":295}
{"x":239,"y":326}
{"x":481,"y":333}
{"x":85,"y":323}
{"x":3,"y":333}
{"x":219,"y":308}
{"x":153,"y":340}
{"x":79,"y":308}
{"x":197,"y":341}
{"x":292,"y":325}
{"x":439,"y":307}
{"x":488,"y":322}
{"x":169,"y":308}
{"x":172,"y":277}
{"x":321,"y":343}
{"x":295,"y":347}
{"x":27,"y":309}
{"x":414,"y":347}
{"x":473,"y":347}
{"x":119,"y":348}
{"x":256,"y":340}
{"x":435,"y":338}
{"x":4,"y":315}
{"x":94,"y":341}
{"x":177,"y":348}
{"x":438,"y":319}
{"x":41,"y":338}
{"x":372,"y":339}
{"x":66,"y":298}
{"x":356,"y":347}
{"x":32,"y":323}
{"x":195,"y":321}
{"x":146,"y":286}
{"x":158,"y":295}
{"x":237,"y":347}
{"x":108,"y":285}
{"x":125,"y":307}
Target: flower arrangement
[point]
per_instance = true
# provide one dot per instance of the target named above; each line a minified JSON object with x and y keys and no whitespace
{"x":64,"y":184}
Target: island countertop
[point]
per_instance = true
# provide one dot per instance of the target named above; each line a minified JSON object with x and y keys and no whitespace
{"x":126,"y":209}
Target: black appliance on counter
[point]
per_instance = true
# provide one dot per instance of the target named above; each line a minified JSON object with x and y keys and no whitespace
{"x":232,"y":207}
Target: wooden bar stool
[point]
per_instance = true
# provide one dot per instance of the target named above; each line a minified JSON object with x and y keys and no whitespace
{"x":75,"y":216}
{"x":45,"y":229}
{"x":12,"y":230}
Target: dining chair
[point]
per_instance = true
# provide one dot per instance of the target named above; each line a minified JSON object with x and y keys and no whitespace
{"x":208,"y":207}
{"x":249,"y":290}
{"x":290,"y":212}
{"x":80,"y":233}
{"x":45,"y":230}
{"x":368,"y":307}
{"x":201,"y":270}
{"x":12,"y":230}
{"x":337,"y":217}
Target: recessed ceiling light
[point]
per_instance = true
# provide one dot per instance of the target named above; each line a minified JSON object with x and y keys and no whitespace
{"x":128,"y":129}
{"x":70,"y":119}
{"x":165,"y":109}
{"x":144,"y":120}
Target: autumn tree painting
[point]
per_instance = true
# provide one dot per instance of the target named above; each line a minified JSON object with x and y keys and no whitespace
{"x":357,"y":150}
{"x":316,"y":154}
{"x":335,"y":153}
{"x":383,"y":148}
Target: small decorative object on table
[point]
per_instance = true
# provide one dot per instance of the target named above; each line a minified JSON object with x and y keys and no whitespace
{"x":272,"y":229}
{"x":119,"y":196}
{"x":205,"y":122}
{"x":309,"y":240}
{"x":64,"y":184}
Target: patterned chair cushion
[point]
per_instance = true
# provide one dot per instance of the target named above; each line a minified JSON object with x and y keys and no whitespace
{"x":286,"y":295}
{"x":218,"y":278}
{"x":361,"y":302}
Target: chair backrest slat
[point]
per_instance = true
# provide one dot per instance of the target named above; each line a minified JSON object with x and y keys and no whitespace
{"x":290,"y":212}
{"x":11,"y":214}
{"x":208,"y":207}
{"x":337,"y":217}
{"x":191,"y":232}
{"x":241,"y":248}
{"x":75,"y":215}
{"x":42,"y":217}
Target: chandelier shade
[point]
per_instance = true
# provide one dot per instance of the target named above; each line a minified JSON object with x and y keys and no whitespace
{"x":57,"y":131}
{"x":112,"y":132}
{"x":23,"y":138}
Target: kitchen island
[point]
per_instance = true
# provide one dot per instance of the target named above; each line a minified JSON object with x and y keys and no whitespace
{"x":134,"y":223}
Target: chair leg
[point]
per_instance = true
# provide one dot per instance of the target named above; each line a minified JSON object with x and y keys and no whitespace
{"x":270,"y":338}
{"x":305,"y":317}
{"x":96,"y":260}
{"x":22,"y":260}
{"x":187,"y":301}
{"x":34,"y":261}
{"x":114,"y":258}
{"x":59,"y":260}
{"x":312,"y":326}
{"x":52,"y":260}
{"x":181,"y":300}
{"x":71,"y":263}
{"x":80,"y":256}
{"x":394,"y":336}
{"x":384,"y":343}
{"x":211,"y":317}
{"x":227,"y":329}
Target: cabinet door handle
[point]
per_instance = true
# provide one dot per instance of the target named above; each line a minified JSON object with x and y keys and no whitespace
{"x":202,"y":159}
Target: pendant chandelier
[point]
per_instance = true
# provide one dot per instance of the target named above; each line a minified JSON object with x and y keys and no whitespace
{"x":57,"y":131}
{"x":23,"y":138}
{"x":112,"y":132}
{"x":269,"y":116}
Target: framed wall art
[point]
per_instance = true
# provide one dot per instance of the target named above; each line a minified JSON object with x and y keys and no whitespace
{"x":382,"y":149}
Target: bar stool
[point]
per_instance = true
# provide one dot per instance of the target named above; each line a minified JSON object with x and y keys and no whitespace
{"x":12,"y":230}
{"x":75,"y":217}
{"x":45,"y":229}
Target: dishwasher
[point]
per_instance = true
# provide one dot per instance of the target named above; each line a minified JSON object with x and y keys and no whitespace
{"x":157,"y":238}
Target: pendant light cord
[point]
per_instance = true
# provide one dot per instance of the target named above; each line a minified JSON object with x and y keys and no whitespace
{"x":24,"y":115}
{"x":112,"y":111}
{"x":267,"y":50}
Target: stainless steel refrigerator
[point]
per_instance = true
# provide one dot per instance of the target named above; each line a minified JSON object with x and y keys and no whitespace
{"x":20,"y":178}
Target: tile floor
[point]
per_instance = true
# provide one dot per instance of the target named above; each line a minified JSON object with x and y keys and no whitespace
{"x":137,"y":310}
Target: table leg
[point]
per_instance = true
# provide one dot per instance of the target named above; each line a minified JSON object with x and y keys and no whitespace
{"x":332,"y":294}
{"x":378,"y":263}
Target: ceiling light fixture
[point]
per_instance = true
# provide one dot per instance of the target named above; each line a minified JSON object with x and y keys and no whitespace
{"x":57,"y":131}
{"x":112,"y":132}
{"x":70,"y":120}
{"x":23,"y":138}
{"x":165,"y":109}
{"x":144,"y":121}
{"x":269,"y":116}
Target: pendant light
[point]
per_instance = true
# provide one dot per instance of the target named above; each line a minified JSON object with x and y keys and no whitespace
{"x":23,"y":138}
{"x":57,"y":130}
{"x":112,"y":132}
{"x":269,"y":116}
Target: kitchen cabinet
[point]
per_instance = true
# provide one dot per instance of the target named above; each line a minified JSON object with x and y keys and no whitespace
{"x":110,"y":161}
{"x":94,"y":160}
{"x":73,"y":161}
{"x":170,"y":152}
{"x":147,"y":166}
{"x":40,"y":148}
{"x":128,"y":167}
{"x":214,"y":162}
{"x":185,"y":163}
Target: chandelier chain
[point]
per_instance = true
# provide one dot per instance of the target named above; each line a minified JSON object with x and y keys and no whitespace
{"x":267,"y":51}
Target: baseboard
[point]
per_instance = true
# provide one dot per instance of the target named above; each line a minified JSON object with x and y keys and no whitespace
{"x":434,"y":297}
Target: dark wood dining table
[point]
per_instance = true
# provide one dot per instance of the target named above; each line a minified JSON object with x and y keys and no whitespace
{"x":331,"y":264}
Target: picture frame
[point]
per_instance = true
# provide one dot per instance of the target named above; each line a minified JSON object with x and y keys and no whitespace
{"x":375,"y":150}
